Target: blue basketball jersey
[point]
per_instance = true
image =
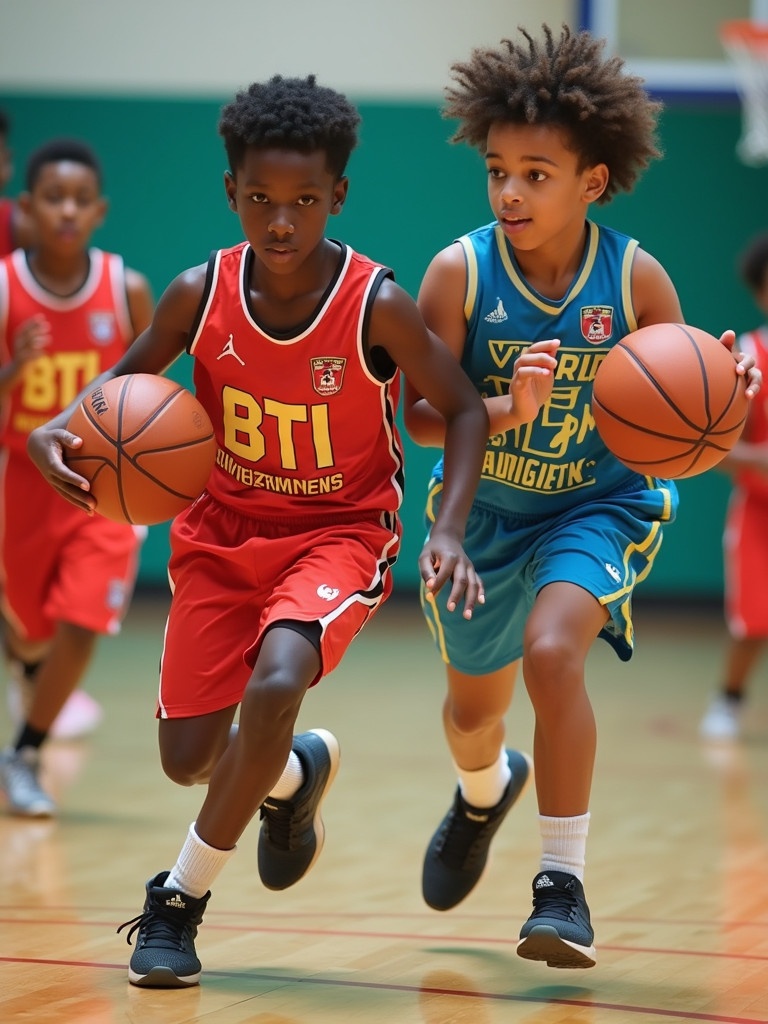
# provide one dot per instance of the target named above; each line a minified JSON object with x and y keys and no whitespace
{"x":559,"y":460}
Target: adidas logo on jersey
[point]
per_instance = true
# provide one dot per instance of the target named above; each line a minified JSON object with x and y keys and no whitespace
{"x":613,"y":572}
{"x":497,"y":315}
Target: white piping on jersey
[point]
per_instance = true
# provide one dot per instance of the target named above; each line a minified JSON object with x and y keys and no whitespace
{"x":120,"y":297}
{"x":360,"y":597}
{"x":60,"y":303}
{"x":316,"y":319}
{"x":388,"y":409}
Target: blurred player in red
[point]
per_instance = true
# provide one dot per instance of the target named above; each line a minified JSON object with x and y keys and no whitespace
{"x":81,"y":713}
{"x":15,"y":228}
{"x":745,"y":539}
{"x":67,"y":311}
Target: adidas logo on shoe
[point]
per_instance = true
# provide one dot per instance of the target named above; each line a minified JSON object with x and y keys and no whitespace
{"x":544,"y":882}
{"x":176,"y":902}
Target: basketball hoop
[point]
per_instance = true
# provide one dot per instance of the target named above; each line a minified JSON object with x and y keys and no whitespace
{"x":746,"y":44}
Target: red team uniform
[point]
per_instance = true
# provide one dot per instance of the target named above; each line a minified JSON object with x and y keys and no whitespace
{"x":746,"y":526}
{"x":71,"y":567}
{"x":300,"y":512}
{"x":6,"y":227}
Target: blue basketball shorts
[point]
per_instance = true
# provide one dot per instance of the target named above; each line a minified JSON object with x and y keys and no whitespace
{"x":605,"y":546}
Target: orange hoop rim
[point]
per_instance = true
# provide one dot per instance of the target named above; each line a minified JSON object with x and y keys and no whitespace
{"x":751,"y":35}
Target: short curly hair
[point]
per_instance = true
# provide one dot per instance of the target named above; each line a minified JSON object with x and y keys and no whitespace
{"x":567,"y":83}
{"x":290,"y":113}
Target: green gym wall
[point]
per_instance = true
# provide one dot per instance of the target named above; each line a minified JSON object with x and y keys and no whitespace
{"x":410,"y":194}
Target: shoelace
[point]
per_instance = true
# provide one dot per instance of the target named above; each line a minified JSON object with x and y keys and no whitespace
{"x":456,"y":846}
{"x":554,"y":902}
{"x":280,"y":825}
{"x":161,"y":929}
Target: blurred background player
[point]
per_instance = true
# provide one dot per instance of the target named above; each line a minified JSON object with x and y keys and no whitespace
{"x":67,"y":311}
{"x":81,"y":713}
{"x":745,"y":538}
{"x":15,"y":228}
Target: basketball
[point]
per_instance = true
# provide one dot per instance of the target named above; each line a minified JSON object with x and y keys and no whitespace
{"x":148,"y":447}
{"x":667,"y":401}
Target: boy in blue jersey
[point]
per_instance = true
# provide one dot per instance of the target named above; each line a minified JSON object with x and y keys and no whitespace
{"x":560,"y":531}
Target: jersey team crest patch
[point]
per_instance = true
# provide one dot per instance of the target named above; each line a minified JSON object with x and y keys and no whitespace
{"x":328,"y":374}
{"x":102,"y":327}
{"x":596,"y":323}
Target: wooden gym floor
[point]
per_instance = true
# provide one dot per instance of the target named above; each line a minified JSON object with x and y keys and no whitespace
{"x":677,"y":868}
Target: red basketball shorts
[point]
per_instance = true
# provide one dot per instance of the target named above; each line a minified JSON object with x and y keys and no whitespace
{"x":60,"y":564}
{"x":745,"y":549}
{"x":232,"y":576}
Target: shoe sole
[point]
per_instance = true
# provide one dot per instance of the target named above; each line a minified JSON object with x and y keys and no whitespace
{"x":318,"y":825}
{"x":35,"y":813}
{"x":162,"y":977}
{"x":543,"y":943}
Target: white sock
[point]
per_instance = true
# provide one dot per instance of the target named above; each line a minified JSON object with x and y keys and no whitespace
{"x":564,"y":844}
{"x":485,"y":786}
{"x":197,"y":867}
{"x":290,"y":781}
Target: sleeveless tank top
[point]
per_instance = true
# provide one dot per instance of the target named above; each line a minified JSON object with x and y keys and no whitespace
{"x":304,"y":419}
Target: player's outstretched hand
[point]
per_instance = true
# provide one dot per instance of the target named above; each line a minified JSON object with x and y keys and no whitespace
{"x":531,"y":384}
{"x":443,"y":559}
{"x":745,"y":364}
{"x":46,"y":446}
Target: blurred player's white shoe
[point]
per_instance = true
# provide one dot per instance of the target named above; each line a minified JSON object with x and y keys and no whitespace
{"x":722,"y":720}
{"x":79,"y":717}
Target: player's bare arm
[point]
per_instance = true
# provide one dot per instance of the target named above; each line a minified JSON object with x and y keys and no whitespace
{"x":153,"y":352}
{"x":397,"y":326}
{"x":656,"y":302}
{"x":441,"y":301}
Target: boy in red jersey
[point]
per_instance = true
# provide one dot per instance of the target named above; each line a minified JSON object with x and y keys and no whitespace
{"x":745,"y":539}
{"x":67,"y":312}
{"x":298,"y":344}
{"x":81,"y":713}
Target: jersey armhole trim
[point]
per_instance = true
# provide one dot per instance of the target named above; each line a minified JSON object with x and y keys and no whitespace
{"x":626,"y":284}
{"x":388,"y":368}
{"x":470,"y":260}
{"x":211,"y":276}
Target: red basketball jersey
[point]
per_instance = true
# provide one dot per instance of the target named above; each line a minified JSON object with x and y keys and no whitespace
{"x":756,"y":431}
{"x":6,"y":227}
{"x":90,"y":331}
{"x":304,"y":420}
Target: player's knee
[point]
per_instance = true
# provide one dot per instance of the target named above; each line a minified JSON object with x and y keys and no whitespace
{"x":187,"y":763}
{"x":186,"y":771}
{"x":468,"y":720}
{"x":548,"y":659}
{"x":272,"y":700}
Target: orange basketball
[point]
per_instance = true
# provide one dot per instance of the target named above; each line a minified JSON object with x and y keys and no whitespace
{"x":667,"y":401}
{"x":148,"y":447}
